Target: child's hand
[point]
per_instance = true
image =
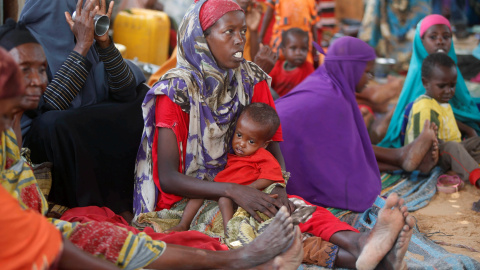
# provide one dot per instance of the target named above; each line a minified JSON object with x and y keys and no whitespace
{"x":253,"y":17}
{"x":265,"y":58}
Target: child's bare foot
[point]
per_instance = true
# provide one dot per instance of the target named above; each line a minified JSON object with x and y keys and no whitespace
{"x":179,"y":228}
{"x":277,"y":238}
{"x":414,"y":153}
{"x":430,"y":160}
{"x":384,"y":234}
{"x":394,"y":259}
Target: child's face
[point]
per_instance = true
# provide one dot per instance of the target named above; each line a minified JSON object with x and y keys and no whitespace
{"x":295,"y":49}
{"x":227,"y":39}
{"x":249,"y":137}
{"x":437,"y":38}
{"x":441,"y":84}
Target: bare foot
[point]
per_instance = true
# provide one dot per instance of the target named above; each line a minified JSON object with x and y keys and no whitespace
{"x":394,"y":259}
{"x":290,"y":259}
{"x":429,"y":161}
{"x":179,"y":228}
{"x":413,"y":154}
{"x":278,"y":237}
{"x":384,"y":234}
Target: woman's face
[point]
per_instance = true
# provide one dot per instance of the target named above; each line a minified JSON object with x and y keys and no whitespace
{"x":33,"y":64}
{"x":226,"y":39}
{"x":366,"y":76}
{"x":437,"y":38}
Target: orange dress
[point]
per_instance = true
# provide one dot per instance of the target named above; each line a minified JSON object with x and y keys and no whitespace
{"x":28,"y":240}
{"x":290,"y":14}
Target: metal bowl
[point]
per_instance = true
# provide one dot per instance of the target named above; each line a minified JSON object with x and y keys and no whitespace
{"x":383,"y":66}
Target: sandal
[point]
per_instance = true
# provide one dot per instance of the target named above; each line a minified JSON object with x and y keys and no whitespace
{"x":449,"y":183}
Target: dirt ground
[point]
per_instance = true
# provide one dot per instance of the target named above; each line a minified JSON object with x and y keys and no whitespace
{"x":451,"y":222}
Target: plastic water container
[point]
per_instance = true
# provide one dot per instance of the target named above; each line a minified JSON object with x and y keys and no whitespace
{"x":145,"y":33}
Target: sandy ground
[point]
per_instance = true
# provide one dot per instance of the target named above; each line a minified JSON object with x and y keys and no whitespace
{"x":450,"y":220}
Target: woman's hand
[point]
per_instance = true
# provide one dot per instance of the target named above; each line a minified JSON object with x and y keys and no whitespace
{"x":83,"y":27}
{"x":283,"y":198}
{"x":104,"y":41}
{"x":253,"y":200}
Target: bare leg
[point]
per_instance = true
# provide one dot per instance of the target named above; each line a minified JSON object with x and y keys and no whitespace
{"x":409,"y":157}
{"x":189,"y":213}
{"x":226,"y":208}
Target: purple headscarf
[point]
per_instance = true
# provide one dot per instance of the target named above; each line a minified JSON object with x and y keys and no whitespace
{"x":326,"y":144}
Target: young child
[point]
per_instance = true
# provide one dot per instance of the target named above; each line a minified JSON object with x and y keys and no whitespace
{"x":287,"y":74}
{"x":289,"y":14}
{"x":251,"y":164}
{"x":439,"y":77}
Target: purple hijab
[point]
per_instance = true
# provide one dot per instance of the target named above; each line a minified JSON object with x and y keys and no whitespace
{"x":326,"y":145}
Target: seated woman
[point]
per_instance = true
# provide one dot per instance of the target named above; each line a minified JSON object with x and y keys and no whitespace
{"x":88,"y":123}
{"x":327,"y":147}
{"x":38,"y":242}
{"x":190,"y":115}
{"x":433,"y":34}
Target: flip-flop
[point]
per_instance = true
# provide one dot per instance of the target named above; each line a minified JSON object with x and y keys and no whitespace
{"x":449,"y":183}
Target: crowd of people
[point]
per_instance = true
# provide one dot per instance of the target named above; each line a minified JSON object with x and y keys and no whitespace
{"x":155,"y":176}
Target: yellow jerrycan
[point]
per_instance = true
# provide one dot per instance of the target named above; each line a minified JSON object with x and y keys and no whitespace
{"x":145,"y":33}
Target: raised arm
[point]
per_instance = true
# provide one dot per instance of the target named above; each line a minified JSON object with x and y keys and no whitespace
{"x":177,"y":183}
{"x":266,"y":21}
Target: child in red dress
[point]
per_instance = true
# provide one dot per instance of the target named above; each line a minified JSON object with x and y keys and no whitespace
{"x":287,"y":74}
{"x":251,"y":164}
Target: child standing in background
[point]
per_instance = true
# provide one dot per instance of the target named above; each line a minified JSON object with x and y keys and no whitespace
{"x":439,"y":77}
{"x":251,"y":164}
{"x":290,"y":14}
{"x":294,"y":69}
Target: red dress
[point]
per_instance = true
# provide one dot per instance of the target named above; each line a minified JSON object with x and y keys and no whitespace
{"x":246,"y":170}
{"x":169,"y":115}
{"x":285,"y":80}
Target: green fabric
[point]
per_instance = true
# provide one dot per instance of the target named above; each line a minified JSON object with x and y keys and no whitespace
{"x":463,"y":105}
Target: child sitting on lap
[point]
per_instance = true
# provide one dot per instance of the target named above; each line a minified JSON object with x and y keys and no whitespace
{"x":287,"y":74}
{"x":439,"y":77}
{"x":251,"y":164}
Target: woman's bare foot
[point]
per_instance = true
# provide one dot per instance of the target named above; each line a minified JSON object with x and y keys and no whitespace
{"x":278,"y":237}
{"x":384,"y":234}
{"x":290,"y":259}
{"x":395,"y":257}
{"x":413,"y":154}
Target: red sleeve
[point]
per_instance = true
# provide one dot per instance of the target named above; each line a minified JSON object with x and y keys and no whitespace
{"x":275,"y":73}
{"x":269,"y":167}
{"x":261,"y":93}
{"x":169,"y":115}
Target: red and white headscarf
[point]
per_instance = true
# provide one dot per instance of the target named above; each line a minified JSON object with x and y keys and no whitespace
{"x":213,"y":10}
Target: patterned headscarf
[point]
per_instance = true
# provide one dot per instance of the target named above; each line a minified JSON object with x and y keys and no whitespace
{"x":212,"y":97}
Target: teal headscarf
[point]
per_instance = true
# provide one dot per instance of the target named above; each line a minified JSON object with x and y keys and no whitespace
{"x":464,"y":106}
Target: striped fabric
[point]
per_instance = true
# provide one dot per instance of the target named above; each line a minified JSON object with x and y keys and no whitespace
{"x":71,"y":77}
